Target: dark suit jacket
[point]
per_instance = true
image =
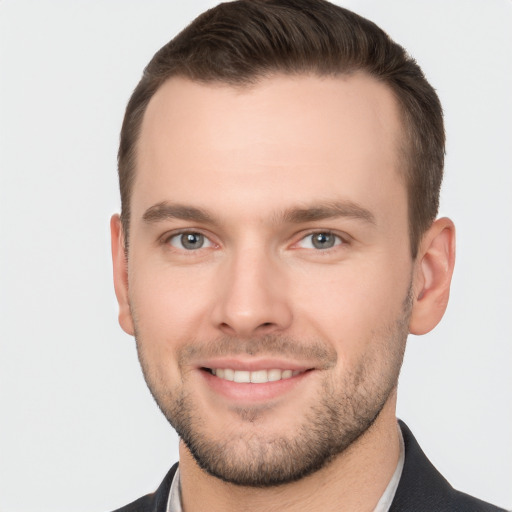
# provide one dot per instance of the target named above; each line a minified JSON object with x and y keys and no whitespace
{"x":421,"y":489}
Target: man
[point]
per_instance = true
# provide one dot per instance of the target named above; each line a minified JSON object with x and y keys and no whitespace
{"x":280,"y":165}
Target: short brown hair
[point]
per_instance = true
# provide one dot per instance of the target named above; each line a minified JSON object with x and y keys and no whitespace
{"x":243,"y":41}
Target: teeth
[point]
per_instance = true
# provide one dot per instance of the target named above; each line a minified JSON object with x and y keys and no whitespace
{"x":256,"y":377}
{"x":274,"y":375}
{"x":242,"y":376}
{"x":259,"y":377}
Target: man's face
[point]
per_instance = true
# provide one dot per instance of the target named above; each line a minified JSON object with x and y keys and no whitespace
{"x":269,"y":242}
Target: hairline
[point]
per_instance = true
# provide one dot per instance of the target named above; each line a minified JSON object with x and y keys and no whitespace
{"x":403,"y":143}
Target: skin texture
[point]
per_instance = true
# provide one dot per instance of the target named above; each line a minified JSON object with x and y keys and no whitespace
{"x":255,"y":173}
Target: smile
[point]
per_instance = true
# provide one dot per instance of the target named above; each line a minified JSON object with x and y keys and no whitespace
{"x":256,"y":377}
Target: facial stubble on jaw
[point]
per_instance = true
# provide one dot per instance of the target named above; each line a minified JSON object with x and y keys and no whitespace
{"x":344,"y":411}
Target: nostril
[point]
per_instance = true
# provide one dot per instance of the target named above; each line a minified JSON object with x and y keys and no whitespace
{"x":266,"y":327}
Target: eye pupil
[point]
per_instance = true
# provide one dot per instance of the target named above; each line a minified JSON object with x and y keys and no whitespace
{"x":192,"y":240}
{"x":323,"y":240}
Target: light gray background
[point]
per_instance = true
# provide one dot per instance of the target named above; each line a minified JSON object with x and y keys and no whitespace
{"x":78,"y":429}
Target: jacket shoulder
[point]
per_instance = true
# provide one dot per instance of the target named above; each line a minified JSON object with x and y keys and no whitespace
{"x":423,"y":489}
{"x":465,"y":502}
{"x":144,"y":504}
{"x":154,"y":502}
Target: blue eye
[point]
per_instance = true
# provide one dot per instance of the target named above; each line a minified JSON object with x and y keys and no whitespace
{"x":320,"y":240}
{"x":189,"y":241}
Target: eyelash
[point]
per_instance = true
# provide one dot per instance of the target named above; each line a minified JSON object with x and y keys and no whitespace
{"x":339,"y":240}
{"x":167,"y":239}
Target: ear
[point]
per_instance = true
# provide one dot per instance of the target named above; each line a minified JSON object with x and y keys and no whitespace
{"x":432,"y":276}
{"x":120,"y":264}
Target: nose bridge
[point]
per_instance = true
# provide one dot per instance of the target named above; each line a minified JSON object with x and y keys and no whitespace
{"x":253,"y":298}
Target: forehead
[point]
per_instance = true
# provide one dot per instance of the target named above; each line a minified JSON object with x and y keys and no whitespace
{"x":323,"y":133}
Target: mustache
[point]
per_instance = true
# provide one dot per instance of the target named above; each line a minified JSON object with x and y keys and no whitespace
{"x":321,"y":354}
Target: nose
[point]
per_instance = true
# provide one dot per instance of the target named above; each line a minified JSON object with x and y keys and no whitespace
{"x":253,"y":296}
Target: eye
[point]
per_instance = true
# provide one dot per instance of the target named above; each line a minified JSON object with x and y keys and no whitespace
{"x":189,"y":241}
{"x":320,"y":240}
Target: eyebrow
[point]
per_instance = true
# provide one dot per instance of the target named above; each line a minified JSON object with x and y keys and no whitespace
{"x":296,"y":215}
{"x":328,"y":210}
{"x":166,"y":211}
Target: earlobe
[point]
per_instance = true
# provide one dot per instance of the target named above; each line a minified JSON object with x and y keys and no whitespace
{"x":433,"y":275}
{"x":120,"y":268}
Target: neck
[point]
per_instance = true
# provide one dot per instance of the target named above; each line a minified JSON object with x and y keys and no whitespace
{"x":354,"y":480}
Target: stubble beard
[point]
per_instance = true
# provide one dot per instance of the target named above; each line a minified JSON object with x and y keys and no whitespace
{"x":345,"y":410}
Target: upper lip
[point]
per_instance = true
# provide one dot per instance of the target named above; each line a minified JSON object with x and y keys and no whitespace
{"x":254,"y":364}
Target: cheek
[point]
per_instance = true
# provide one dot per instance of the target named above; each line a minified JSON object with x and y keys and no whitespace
{"x":168,"y":305}
{"x":351,"y":304}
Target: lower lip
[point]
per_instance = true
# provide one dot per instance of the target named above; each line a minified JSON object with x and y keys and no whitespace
{"x":251,"y":392}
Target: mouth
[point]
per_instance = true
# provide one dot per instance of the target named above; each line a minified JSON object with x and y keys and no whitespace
{"x":262,"y":376}
{"x":251,"y":382}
